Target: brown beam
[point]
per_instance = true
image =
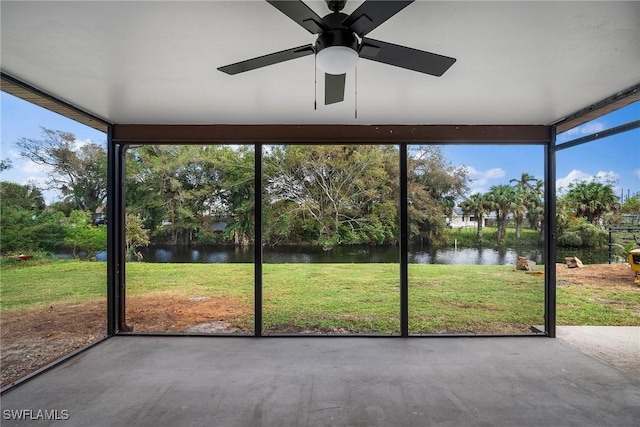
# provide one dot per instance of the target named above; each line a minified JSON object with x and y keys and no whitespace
{"x":291,"y":134}
{"x":35,"y":96}
{"x":615,"y":102}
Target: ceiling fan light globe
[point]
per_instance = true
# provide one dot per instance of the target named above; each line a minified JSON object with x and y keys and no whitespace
{"x":337,"y":59}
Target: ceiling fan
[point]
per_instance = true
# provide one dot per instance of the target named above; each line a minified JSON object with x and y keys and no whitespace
{"x":341,"y":43}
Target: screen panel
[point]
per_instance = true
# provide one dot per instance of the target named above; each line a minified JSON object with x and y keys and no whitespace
{"x":189,"y":239}
{"x":330,"y":230}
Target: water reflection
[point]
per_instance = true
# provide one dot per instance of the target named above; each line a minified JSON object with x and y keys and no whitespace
{"x":342,"y":254}
{"x":477,"y":256}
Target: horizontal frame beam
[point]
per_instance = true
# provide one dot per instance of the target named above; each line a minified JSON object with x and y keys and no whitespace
{"x":599,"y":135}
{"x":592,"y":112}
{"x":42,"y":99}
{"x":328,"y":134}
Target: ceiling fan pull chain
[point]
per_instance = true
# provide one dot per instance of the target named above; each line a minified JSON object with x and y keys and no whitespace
{"x":356,"y":93}
{"x":315,"y":84}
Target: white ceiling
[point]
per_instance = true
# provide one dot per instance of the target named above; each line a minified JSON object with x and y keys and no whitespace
{"x":155,"y":62}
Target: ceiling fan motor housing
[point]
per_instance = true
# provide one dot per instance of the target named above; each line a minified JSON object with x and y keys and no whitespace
{"x":336,"y":51}
{"x":337,"y":35}
{"x":336,"y":38}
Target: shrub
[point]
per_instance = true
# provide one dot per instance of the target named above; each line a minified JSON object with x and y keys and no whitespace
{"x":569,"y":239}
{"x":592,"y":236}
{"x":82,"y":236}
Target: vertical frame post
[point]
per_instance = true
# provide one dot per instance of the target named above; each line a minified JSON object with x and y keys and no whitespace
{"x":404,"y":242}
{"x":611,"y":241}
{"x":550,"y":235}
{"x":112,"y":234}
{"x":120,"y":243}
{"x":257,"y":257}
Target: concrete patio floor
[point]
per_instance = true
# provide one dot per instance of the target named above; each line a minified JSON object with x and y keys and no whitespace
{"x":192,"y":381}
{"x":616,"y":345}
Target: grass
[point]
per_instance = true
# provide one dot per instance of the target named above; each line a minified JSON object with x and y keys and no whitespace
{"x":335,"y":298}
{"x":598,"y":306}
{"x":37,"y":283}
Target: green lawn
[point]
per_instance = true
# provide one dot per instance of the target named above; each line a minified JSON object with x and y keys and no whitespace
{"x":358,"y":298}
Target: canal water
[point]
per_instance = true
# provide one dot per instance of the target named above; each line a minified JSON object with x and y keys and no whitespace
{"x":357,"y":254}
{"x":339,"y":254}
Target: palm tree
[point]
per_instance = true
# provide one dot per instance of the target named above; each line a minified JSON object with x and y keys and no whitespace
{"x":525,"y":181}
{"x":478,"y":205}
{"x":529,"y":190}
{"x":519,"y":208}
{"x":591,"y":200}
{"x":535,"y":208}
{"x":503,"y":199}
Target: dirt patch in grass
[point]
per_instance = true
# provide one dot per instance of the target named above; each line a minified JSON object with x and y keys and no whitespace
{"x":33,"y":338}
{"x":595,"y":275}
{"x":474,"y":305}
{"x":178,"y":314}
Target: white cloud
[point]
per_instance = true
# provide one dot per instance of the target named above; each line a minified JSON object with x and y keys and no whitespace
{"x":488,"y":174}
{"x":636,"y":172}
{"x":38,"y":181}
{"x":607,"y":177}
{"x":587,"y":129}
{"x":31,"y":167}
{"x":79,"y":143}
{"x":573,"y":176}
{"x":562,"y":184}
{"x":480,"y":179}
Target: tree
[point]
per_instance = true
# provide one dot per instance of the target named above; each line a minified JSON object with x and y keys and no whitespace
{"x":25,"y":196}
{"x":321,"y":194}
{"x":162,"y":188}
{"x":503,"y":199}
{"x":479,"y":206}
{"x":26,"y":230}
{"x":236,"y":192}
{"x":535,"y":206}
{"x":343,"y":192}
{"x":591,"y":200}
{"x":179,"y":192}
{"x":136,"y":235}
{"x":525,"y":181}
{"x":78,"y":171}
{"x":528,"y":201}
{"x":433,"y":186}
{"x":629,"y":212}
{"x":5,"y":164}
{"x":82,"y":236}
{"x":519,"y":209}
{"x":24,"y":224}
{"x":631,"y":205}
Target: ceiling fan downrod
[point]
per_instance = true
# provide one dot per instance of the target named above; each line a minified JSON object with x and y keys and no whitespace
{"x":336,"y":5}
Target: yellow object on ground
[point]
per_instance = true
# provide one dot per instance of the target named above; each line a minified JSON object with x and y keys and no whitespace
{"x":634,"y":262}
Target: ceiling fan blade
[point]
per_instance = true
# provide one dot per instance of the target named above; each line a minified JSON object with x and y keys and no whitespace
{"x":371,"y":14}
{"x":263,"y":61}
{"x":301,"y":14}
{"x":405,"y":57}
{"x":334,"y":88}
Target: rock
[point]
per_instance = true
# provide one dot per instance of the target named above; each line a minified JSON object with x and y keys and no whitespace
{"x":573,"y":262}
{"x":522,"y":263}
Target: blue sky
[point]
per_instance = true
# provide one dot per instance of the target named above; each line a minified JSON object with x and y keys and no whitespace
{"x":616,"y":158}
{"x":21,"y":119}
